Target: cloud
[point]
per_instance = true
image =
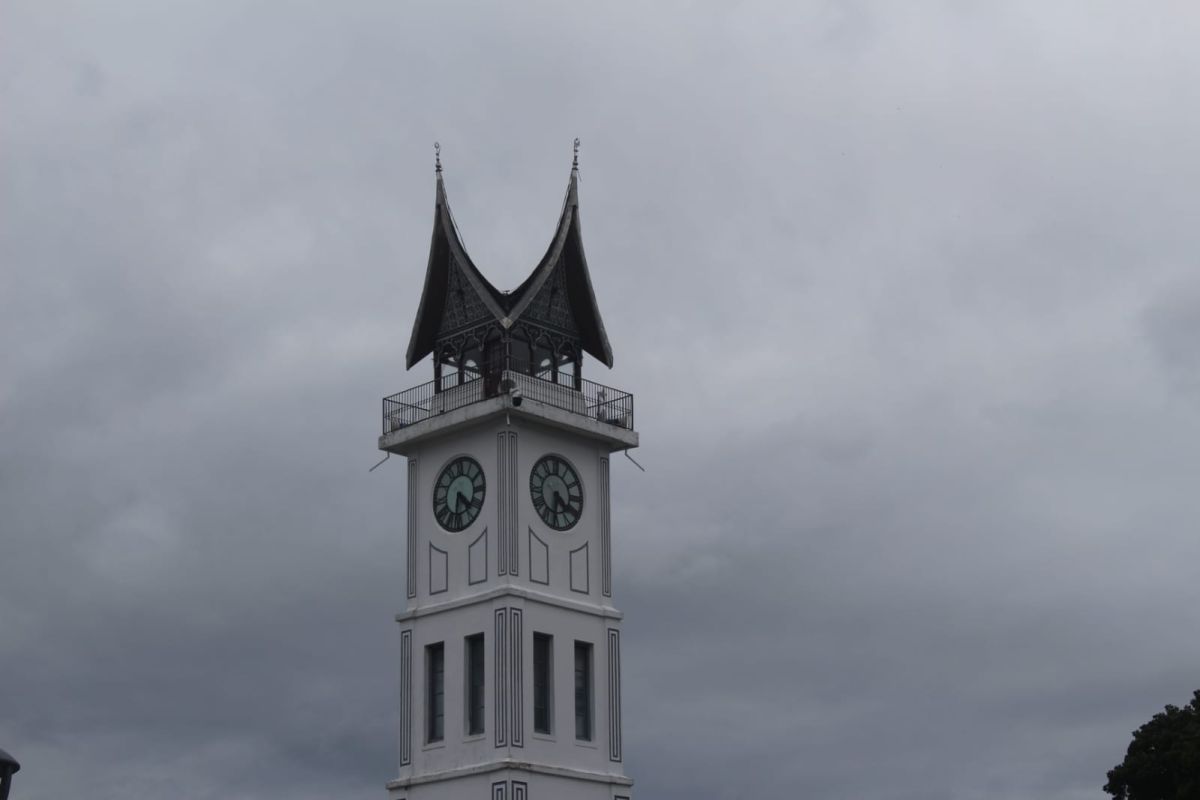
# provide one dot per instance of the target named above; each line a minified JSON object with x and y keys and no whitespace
{"x":904,"y":296}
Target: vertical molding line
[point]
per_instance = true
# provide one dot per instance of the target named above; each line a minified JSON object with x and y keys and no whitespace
{"x":500,"y":673}
{"x":405,"y":697}
{"x":500,"y":790}
{"x":502,"y":531}
{"x":520,"y":790}
{"x":412,"y":528}
{"x":605,"y":532}
{"x":516,"y":641}
{"x":614,"y":694}
{"x":514,"y":544}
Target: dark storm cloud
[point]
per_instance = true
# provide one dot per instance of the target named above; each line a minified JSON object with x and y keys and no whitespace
{"x":906,"y":295}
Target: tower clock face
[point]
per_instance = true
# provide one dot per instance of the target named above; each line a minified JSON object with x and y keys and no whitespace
{"x":557,"y":492}
{"x":458,"y":494}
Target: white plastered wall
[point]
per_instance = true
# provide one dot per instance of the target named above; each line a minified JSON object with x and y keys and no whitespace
{"x":507,"y":576}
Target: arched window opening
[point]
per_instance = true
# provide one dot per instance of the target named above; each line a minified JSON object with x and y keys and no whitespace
{"x":469,"y":359}
{"x":568,"y":367}
{"x":544,"y":362}
{"x":494,"y":357}
{"x":459,"y":365}
{"x":445,"y":368}
{"x":520,"y":353}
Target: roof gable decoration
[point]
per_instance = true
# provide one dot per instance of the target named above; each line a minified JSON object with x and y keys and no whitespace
{"x":551,"y":306}
{"x":558,"y":292}
{"x":463,"y":307}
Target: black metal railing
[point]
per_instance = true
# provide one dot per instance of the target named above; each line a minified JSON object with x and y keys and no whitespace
{"x":569,"y":393}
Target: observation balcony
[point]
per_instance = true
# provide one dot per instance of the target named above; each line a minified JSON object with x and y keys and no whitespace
{"x":557,"y":398}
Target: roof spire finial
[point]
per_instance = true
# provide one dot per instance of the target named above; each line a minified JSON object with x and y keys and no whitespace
{"x":437,"y":157}
{"x":575,"y":162}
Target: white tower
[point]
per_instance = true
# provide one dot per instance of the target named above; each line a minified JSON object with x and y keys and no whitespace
{"x":510,"y":647}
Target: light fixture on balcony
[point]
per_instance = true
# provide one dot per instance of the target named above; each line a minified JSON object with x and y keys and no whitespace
{"x":513,"y":390}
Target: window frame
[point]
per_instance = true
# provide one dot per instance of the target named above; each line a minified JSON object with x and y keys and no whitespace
{"x":474,"y":678}
{"x":435,"y":692}
{"x":585,"y":694}
{"x":543,"y":700}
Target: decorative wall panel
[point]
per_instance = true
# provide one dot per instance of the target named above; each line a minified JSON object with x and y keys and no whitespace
{"x":405,"y":697}
{"x":614,"y":694}
{"x":579,"y":569}
{"x":539,"y":559}
{"x":439,"y":570}
{"x":511,"y":790}
{"x":411,"y":552}
{"x":514,"y":483}
{"x":605,"y":532}
{"x":516,"y":671}
{"x":477,"y":559}
{"x":508,"y":547}
{"x":500,"y":675}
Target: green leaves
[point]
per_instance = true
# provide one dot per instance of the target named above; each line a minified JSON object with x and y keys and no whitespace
{"x":1163,"y":760}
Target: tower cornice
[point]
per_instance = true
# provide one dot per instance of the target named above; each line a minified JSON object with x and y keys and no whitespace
{"x":496,"y":765}
{"x":513,"y":590}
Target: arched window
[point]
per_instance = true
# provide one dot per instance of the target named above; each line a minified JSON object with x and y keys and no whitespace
{"x":568,"y":367}
{"x":445,"y":368}
{"x":545,"y":364}
{"x":453,"y":371}
{"x":521,"y":353}
{"x":467,"y":360}
{"x":494,"y":358}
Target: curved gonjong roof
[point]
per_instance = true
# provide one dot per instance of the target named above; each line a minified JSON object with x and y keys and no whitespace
{"x":450,"y":265}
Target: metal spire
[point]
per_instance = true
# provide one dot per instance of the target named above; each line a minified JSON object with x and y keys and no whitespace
{"x":437,"y":157}
{"x":575,"y":162}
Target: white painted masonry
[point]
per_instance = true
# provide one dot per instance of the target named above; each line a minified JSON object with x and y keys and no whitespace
{"x":507,"y":576}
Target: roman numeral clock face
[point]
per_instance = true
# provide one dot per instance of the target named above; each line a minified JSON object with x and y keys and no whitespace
{"x":458,"y":494}
{"x":557,"y":492}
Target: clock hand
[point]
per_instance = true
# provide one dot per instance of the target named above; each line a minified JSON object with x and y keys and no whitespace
{"x":559,"y":503}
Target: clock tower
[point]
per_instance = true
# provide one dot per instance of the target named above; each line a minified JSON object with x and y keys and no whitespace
{"x":510,"y":646}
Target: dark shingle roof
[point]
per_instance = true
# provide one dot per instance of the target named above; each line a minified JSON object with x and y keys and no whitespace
{"x":565,"y":253}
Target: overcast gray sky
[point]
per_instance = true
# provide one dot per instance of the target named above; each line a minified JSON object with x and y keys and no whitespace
{"x":907,"y":294}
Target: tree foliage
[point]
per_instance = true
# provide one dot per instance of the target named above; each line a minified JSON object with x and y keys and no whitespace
{"x":1163,"y":760}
